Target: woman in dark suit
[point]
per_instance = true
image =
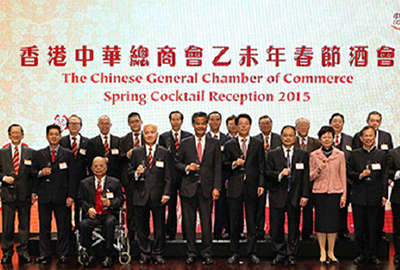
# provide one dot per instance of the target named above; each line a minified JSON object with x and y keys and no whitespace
{"x":328,"y":171}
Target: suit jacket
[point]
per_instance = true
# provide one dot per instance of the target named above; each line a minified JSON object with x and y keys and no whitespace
{"x":210,"y":166}
{"x":80,"y":159}
{"x":299,"y":184}
{"x":25,"y":181}
{"x":157,"y":178}
{"x":346,"y":145}
{"x":275,"y":142}
{"x":167,"y":140}
{"x":63,"y":181}
{"x":87,"y":194}
{"x":384,"y":140}
{"x":222,"y":140}
{"x":126,"y":144}
{"x":96,"y":148}
{"x":368,"y":192}
{"x":253,"y":167}
{"x":312,"y":144}
{"x":394,"y":165}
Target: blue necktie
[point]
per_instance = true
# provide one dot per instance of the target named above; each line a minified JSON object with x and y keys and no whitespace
{"x":288,"y":166}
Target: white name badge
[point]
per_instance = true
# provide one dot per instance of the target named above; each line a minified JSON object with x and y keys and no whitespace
{"x":299,"y":166}
{"x":159,"y":164}
{"x":384,"y":147}
{"x":114,"y":151}
{"x":376,"y":166}
{"x":349,"y":148}
{"x":82,"y":152}
{"x":63,"y":165}
{"x":110,"y":195}
{"x":28,"y":162}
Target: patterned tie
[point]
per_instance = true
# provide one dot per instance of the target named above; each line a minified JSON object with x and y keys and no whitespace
{"x":74,"y":146}
{"x":16,"y":160}
{"x":106,"y":146}
{"x":176,"y":141}
{"x":99,"y":188}
{"x":267,"y":143}
{"x":303,"y":143}
{"x":137,"y":144}
{"x":53,"y":155}
{"x":199,"y":150}
{"x":244,"y":148}
{"x":337,"y":141}
{"x":288,"y":166}
{"x":150,"y":158}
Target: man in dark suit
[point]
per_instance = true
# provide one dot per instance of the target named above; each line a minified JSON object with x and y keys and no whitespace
{"x":17,"y":193}
{"x":288,"y":171}
{"x":343,"y":142}
{"x":133,"y":139}
{"x":221,"y":208}
{"x":105,"y":145}
{"x":244,"y":159}
{"x":56,"y":169}
{"x":271,"y":141}
{"x":171,"y":140}
{"x":232,"y":127}
{"x":78,"y":144}
{"x":383,"y":142}
{"x":100,"y":197}
{"x":394,"y":175}
{"x":150,"y":170}
{"x":310,"y":144}
{"x":199,"y":160}
{"x":367,"y":167}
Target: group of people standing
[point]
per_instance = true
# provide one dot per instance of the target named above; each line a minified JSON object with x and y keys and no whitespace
{"x":234,"y":170}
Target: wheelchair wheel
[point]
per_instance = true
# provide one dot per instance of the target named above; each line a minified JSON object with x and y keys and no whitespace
{"x":83,"y":258}
{"x":124,"y":258}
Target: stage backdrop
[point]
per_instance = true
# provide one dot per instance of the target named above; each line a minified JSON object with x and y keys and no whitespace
{"x":287,"y":59}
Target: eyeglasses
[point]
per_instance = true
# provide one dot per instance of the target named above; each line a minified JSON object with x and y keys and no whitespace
{"x":74,"y":124}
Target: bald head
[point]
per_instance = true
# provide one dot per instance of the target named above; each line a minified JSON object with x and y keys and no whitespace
{"x":99,"y":167}
{"x":150,"y":134}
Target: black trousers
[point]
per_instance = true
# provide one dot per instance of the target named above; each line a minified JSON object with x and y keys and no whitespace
{"x":344,"y":213}
{"x":235,"y":206}
{"x":308,"y":223}
{"x":189,"y":208}
{"x":368,"y":214}
{"x":87,"y":226}
{"x":142,"y":219}
{"x":260,"y":219}
{"x":61,"y":213}
{"x":8,"y":215}
{"x":277,"y":230}
{"x":221,"y":220}
{"x":130,"y":217}
{"x":396,"y":229}
{"x":171,"y":225}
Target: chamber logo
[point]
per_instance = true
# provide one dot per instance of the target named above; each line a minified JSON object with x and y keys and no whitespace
{"x":396,"y":21}
{"x":61,"y":121}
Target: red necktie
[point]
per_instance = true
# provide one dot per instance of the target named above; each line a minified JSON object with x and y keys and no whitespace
{"x":337,"y":141}
{"x":99,"y":187}
{"x":106,"y":146}
{"x":137,"y":144}
{"x":176,"y":141}
{"x":74,"y":146}
{"x":16,"y":160}
{"x":303,"y":143}
{"x":266,"y":143}
{"x":244,"y":148}
{"x":215,"y":136}
{"x":199,"y":150}
{"x":53,"y":155}
{"x":150,"y":158}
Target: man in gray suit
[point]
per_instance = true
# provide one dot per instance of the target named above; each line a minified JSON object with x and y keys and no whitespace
{"x":17,"y":193}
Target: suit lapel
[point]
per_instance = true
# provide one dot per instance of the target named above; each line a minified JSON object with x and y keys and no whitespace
{"x":92,"y":189}
{"x":282,"y":157}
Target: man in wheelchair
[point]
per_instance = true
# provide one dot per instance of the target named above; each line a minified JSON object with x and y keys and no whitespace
{"x":100,"y":197}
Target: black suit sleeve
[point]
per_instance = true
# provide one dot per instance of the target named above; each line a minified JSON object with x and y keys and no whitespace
{"x":391,"y":164}
{"x":217,"y":166}
{"x":73,"y":177}
{"x":272,"y":174}
{"x":385,"y":177}
{"x":180,"y":158}
{"x":118,"y":199}
{"x":261,"y":166}
{"x":306,"y":176}
{"x":83,"y":200}
{"x":167,"y":169}
{"x":351,"y":173}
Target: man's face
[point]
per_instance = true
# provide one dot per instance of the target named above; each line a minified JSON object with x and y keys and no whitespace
{"x":232,"y":128}
{"x":214,"y":121}
{"x":99,"y":167}
{"x":104,"y":125}
{"x":302,"y":127}
{"x":16,"y":135}
{"x":53,"y":136}
{"x":74,"y":125}
{"x":368,"y":138}
{"x":265,"y":125}
{"x":135,"y":123}
{"x":288,"y":137}
{"x":337,"y":124}
{"x":150,"y":134}
{"x":244,"y":127}
{"x":200,"y":126}
{"x":176,"y":121}
{"x":374,"y":121}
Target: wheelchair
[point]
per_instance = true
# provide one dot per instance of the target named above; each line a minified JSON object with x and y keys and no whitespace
{"x":121,"y":243}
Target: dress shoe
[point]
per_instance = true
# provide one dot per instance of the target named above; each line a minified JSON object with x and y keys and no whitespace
{"x":144,"y":260}
{"x":260,"y":236}
{"x":233,"y":259}
{"x":344,"y":236}
{"x":359,"y":259}
{"x":375,"y":260}
{"x":90,"y":262}
{"x":207,"y":260}
{"x":323,"y":262}
{"x":170,"y":237}
{"x":292,"y":261}
{"x":336,"y":261}
{"x":24,"y":258}
{"x":158,"y":260}
{"x":63,"y":259}
{"x":6,"y":259}
{"x":43,"y":260}
{"x":277,"y":261}
{"x":254,"y":259}
{"x":107,"y":262}
{"x":396,"y":260}
{"x":307,"y":237}
{"x":190,"y":260}
{"x":384,"y":239}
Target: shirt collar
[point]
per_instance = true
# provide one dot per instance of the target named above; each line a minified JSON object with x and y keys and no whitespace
{"x":153,"y":148}
{"x":213,"y":134}
{"x":370,"y":150}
